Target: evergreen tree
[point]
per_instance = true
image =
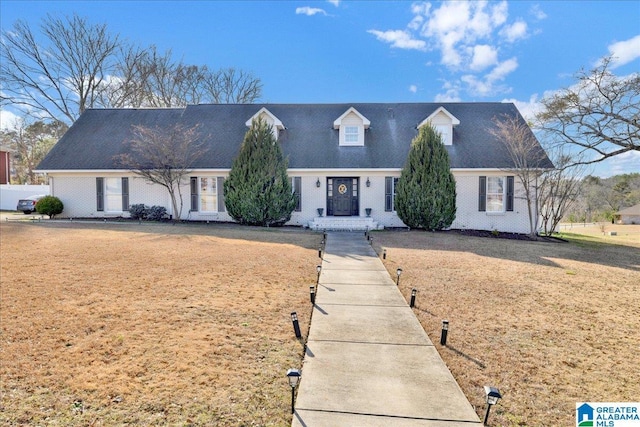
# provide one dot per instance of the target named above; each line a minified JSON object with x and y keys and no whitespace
{"x":426,"y":190}
{"x":258,"y":190}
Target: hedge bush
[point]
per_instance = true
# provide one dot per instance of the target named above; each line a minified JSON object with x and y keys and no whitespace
{"x":153,"y":213}
{"x":138,"y":211}
{"x":49,"y":205}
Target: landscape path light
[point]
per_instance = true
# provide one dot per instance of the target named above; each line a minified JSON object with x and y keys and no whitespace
{"x":296,"y":325}
{"x":294,"y":377}
{"x":493,"y":395}
{"x":318,"y":269}
{"x":312,"y":292}
{"x":445,"y":331}
{"x":398,"y":273}
{"x":413,"y":297}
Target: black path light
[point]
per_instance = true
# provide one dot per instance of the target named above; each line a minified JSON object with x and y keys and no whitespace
{"x":320,"y":252}
{"x":318,"y":269}
{"x":413,"y":297}
{"x":445,"y":331}
{"x":384,"y":254}
{"x":296,"y":325}
{"x":493,"y":395}
{"x":398,"y":273}
{"x":294,"y":377}
{"x":312,"y":292}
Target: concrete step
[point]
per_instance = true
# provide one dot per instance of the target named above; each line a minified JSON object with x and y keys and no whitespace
{"x":344,"y":223}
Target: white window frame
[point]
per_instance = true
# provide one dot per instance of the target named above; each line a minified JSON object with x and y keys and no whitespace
{"x":351,"y":135}
{"x":496,"y":199}
{"x":113,"y":194}
{"x":210,"y":194}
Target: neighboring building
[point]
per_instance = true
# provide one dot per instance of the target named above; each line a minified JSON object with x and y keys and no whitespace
{"x":343,"y":158}
{"x":630,"y":215}
{"x":5,"y":165}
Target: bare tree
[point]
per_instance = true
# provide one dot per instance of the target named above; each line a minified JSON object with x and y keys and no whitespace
{"x":164,"y":156}
{"x":231,"y":86}
{"x":598,"y":116}
{"x":147,"y":78}
{"x":72,"y":65}
{"x":31,"y":141}
{"x":60,"y":77}
{"x":559,"y":189}
{"x":528,"y":158}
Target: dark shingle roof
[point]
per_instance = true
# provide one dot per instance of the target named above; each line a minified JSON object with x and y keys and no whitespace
{"x":309,"y":140}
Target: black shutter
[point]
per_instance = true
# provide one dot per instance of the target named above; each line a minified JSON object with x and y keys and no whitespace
{"x":482,"y":194}
{"x":194,"y":194}
{"x":220,"y":190}
{"x":297,"y":192}
{"x":125,"y":194}
{"x":388,"y":193}
{"x":100,"y":194}
{"x":510,"y":184}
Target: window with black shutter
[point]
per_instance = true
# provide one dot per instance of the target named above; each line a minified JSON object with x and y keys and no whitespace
{"x":100,"y":194}
{"x":125,"y":194}
{"x":297,"y":192}
{"x":221,"y":207}
{"x":510,"y":184}
{"x":388,"y":194}
{"x":194,"y":194}
{"x":482,"y":194}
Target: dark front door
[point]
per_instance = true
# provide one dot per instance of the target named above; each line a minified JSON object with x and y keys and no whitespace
{"x":342,"y":195}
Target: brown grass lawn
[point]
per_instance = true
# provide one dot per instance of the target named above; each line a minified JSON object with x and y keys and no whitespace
{"x":550,"y":324}
{"x":113,"y":324}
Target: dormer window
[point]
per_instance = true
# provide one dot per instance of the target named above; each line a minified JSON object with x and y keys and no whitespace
{"x":269,"y":118}
{"x":351,"y":134}
{"x":443,"y":122}
{"x":351,"y":126}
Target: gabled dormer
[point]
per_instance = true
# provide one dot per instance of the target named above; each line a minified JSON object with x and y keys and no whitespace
{"x":351,"y":126}
{"x":268,"y":117}
{"x":443,"y":122}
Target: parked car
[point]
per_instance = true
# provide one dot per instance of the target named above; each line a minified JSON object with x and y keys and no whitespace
{"x":28,"y":205}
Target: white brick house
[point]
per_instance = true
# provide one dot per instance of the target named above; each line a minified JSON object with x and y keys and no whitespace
{"x":343,"y":158}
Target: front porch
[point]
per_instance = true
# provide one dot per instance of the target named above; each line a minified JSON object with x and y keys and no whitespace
{"x":344,"y":223}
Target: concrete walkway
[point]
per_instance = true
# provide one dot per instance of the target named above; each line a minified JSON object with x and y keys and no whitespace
{"x":368,"y":360}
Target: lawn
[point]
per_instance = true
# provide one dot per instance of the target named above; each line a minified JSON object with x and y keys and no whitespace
{"x":150,"y":325}
{"x":549,"y":324}
{"x":111,"y":324}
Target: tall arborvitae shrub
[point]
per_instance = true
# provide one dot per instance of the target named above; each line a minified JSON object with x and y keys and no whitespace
{"x":258,"y":190}
{"x":426,"y":190}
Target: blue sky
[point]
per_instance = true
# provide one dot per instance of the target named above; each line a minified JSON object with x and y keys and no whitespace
{"x":380,"y":51}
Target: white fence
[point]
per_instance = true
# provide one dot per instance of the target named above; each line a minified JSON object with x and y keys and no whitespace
{"x":10,"y":194}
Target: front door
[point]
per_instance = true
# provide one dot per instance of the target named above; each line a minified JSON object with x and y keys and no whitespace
{"x":342,"y":196}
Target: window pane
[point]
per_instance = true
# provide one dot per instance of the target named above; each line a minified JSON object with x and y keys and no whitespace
{"x":208,"y":194}
{"x":495,"y":194}
{"x":113,"y":194}
{"x":351,"y":134}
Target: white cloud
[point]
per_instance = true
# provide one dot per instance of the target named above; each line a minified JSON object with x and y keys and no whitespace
{"x":8,"y":120}
{"x":451,"y":93}
{"x":470,"y":37}
{"x":625,"y":51}
{"x":413,"y":88}
{"x":529,"y":108}
{"x":537,"y":12}
{"x":309,"y":11}
{"x":399,"y":38}
{"x":336,"y":3}
{"x":515,"y":31}
{"x":622,"y":163}
{"x":490,"y":83}
{"x":483,"y":56}
{"x":503,"y":69}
